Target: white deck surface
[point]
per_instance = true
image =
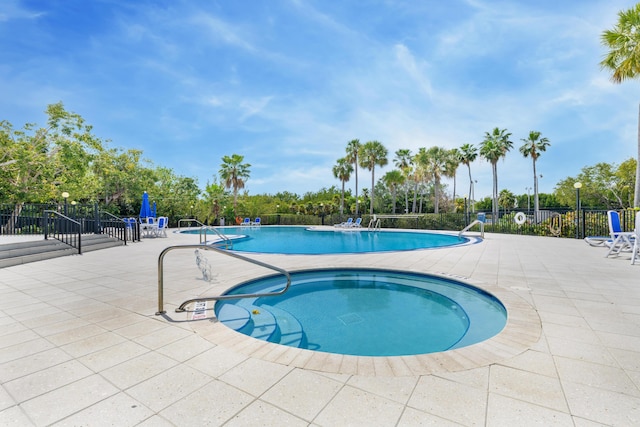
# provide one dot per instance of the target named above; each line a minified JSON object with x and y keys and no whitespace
{"x":80,"y":344}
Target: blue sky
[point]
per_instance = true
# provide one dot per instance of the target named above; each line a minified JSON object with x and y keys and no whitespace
{"x":287,"y":83}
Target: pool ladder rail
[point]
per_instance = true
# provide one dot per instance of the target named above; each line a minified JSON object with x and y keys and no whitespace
{"x":374,"y":224}
{"x":204,"y":229}
{"x":477,"y":221}
{"x":182,"y":306}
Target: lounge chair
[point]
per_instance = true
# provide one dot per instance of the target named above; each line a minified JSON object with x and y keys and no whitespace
{"x":247,"y":221}
{"x":257,"y":221}
{"x":635,"y":251}
{"x":357,"y":223}
{"x":601,"y":241}
{"x":161,"y":228}
{"x":347,"y":223}
{"x":620,"y":240}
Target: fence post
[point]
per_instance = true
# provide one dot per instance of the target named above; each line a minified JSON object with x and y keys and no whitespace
{"x":96,"y":219}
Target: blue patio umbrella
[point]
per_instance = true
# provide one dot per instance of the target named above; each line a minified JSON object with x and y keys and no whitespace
{"x":145,"y":209}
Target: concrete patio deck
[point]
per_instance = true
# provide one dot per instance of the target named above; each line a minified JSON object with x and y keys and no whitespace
{"x":80,"y":344}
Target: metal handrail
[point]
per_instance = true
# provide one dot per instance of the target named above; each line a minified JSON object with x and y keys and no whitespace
{"x":181,"y":308}
{"x":203,"y":230}
{"x":123,"y":237}
{"x":477,"y":221}
{"x":61,"y":235}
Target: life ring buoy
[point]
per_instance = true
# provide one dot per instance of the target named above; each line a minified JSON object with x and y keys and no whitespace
{"x":520,"y":218}
{"x":555,"y":224}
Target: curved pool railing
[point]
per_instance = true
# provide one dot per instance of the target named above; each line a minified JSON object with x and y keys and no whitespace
{"x":182,"y":306}
{"x":228,"y":244}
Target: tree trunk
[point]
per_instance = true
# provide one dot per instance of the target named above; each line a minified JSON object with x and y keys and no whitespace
{"x":494,"y":213}
{"x":10,"y":227}
{"x":357,"y":201}
{"x":636,"y":193}
{"x":436,"y":196}
{"x":536,"y":205}
{"x":373,"y":169}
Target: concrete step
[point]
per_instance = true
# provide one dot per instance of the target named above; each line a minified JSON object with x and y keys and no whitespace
{"x":38,"y":250}
{"x":94,"y":242}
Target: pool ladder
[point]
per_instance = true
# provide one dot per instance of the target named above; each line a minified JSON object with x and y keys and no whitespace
{"x":477,"y":221}
{"x":374,"y":224}
{"x":228,"y":244}
{"x":182,"y":306}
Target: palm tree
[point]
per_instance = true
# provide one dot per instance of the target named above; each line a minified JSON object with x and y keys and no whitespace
{"x":234,"y":173}
{"x":623,"y":60}
{"x":494,"y":147}
{"x":434,"y":163}
{"x":533,"y":146}
{"x":392,"y":180}
{"x":372,"y":153}
{"x":353,"y":150}
{"x":468,"y":154}
{"x":404,"y":162}
{"x":451,"y":169}
{"x":419,"y":175}
{"x":342,"y":170}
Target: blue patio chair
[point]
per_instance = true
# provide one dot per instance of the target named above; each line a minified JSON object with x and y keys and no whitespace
{"x":620,"y":240}
{"x":635,"y":251}
{"x":347,"y":223}
{"x":161,"y":229}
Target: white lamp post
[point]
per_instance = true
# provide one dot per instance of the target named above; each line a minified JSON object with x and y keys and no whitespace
{"x":577,"y":186}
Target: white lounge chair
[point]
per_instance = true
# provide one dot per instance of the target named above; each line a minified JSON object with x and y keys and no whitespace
{"x":347,"y":223}
{"x":161,"y":227}
{"x":257,"y":221}
{"x":635,"y":251}
{"x":620,"y":240}
{"x":247,"y":221}
{"x":357,"y":223}
{"x":601,"y":241}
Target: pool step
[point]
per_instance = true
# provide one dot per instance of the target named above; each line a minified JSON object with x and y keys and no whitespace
{"x":263,"y":322}
{"x":289,"y":328}
{"x":235,"y":317}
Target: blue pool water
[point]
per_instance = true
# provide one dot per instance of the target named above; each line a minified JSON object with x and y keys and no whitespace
{"x":312,"y":241}
{"x":365,"y":312}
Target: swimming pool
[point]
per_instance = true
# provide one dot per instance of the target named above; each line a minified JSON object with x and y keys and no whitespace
{"x":365,"y":312}
{"x":326,"y":240}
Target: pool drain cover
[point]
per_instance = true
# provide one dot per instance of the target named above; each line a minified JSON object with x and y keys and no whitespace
{"x":350,"y":319}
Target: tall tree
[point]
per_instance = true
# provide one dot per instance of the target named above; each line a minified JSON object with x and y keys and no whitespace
{"x":434,"y":162}
{"x":404,"y":162}
{"x":372,"y":154}
{"x":392,"y":180}
{"x":623,"y":60}
{"x":353,"y":151}
{"x":234,"y":174}
{"x":420,"y":174}
{"x":342,"y":170}
{"x":495,"y":146}
{"x":451,"y":170}
{"x":533,"y":146}
{"x":468,"y":154}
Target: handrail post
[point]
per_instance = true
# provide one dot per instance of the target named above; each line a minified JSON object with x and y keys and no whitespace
{"x":161,"y":309}
{"x":180,"y":309}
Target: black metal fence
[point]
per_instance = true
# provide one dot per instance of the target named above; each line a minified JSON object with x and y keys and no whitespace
{"x":561,"y":222}
{"x":34,"y":218}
